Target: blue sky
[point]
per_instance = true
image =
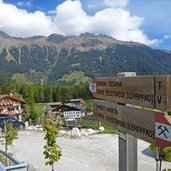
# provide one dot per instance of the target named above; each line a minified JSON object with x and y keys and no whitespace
{"x":144,"y":21}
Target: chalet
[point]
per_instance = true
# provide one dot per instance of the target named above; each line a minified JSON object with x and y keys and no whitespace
{"x":11,"y":105}
{"x":51,"y":106}
{"x":71,"y":111}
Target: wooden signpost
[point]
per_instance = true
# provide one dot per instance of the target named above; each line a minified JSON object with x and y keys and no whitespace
{"x":148,"y":91}
{"x":143,"y":124}
{"x":136,"y":106}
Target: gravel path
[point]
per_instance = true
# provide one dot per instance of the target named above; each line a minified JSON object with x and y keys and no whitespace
{"x":92,"y":153}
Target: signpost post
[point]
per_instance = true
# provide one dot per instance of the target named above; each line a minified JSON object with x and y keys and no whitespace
{"x":147,"y":122}
{"x":130,"y":142}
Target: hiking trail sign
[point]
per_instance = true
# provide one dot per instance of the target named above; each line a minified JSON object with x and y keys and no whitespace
{"x":148,"y":91}
{"x":147,"y":125}
{"x":133,"y":121}
{"x":151,"y":92}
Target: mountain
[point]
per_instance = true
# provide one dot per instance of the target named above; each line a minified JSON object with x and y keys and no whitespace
{"x":4,"y":35}
{"x":57,"y":59}
{"x":55,"y":38}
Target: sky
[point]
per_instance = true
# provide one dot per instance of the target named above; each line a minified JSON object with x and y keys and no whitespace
{"x":144,"y":21}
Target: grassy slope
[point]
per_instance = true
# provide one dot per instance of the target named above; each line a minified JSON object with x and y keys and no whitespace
{"x":20,"y":78}
{"x":76,"y":76}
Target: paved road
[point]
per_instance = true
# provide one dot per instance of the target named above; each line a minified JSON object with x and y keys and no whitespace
{"x":92,"y":153}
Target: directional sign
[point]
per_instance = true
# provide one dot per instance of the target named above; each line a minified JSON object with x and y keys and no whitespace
{"x":147,"y":91}
{"x":162,"y":131}
{"x":149,"y":126}
{"x":134,"y":121}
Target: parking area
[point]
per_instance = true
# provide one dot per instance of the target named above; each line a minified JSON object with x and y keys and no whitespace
{"x":87,"y":153}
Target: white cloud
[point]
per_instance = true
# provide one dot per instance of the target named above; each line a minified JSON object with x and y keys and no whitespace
{"x":167,"y":37}
{"x":117,"y":23}
{"x":69,"y":18}
{"x":92,"y":6}
{"x":115,"y":3}
{"x":52,"y":12}
{"x":21,"y":3}
{"x":20,"y":23}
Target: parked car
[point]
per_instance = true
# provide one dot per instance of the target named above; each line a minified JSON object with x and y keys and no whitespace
{"x":9,"y":119}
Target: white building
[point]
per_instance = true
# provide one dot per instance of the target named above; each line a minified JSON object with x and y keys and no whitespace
{"x":73,"y":114}
{"x":71,"y":111}
{"x":11,"y":105}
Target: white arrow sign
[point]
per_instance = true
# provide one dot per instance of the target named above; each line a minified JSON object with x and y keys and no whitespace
{"x":92,"y":86}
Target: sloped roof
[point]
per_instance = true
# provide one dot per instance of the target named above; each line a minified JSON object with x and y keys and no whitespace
{"x":74,"y":100}
{"x":13,"y":98}
{"x":72,"y":106}
{"x":54,"y":103}
{"x":82,"y":108}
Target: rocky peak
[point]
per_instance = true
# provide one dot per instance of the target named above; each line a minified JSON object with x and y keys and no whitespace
{"x":4,"y":35}
{"x":55,"y":38}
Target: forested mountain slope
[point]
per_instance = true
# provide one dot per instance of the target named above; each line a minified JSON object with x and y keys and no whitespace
{"x":52,"y":59}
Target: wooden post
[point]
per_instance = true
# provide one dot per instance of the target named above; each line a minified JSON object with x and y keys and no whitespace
{"x":127,"y":144}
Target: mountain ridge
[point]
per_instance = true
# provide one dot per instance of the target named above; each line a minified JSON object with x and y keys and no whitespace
{"x":50,"y":58}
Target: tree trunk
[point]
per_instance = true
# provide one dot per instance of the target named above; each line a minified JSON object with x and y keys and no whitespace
{"x":6,"y":146}
{"x":6,"y":150}
{"x":53,"y":167}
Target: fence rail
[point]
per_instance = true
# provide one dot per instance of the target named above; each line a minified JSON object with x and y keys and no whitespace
{"x":16,"y":165}
{"x":82,"y":122}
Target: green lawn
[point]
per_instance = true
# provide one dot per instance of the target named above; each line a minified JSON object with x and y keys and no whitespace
{"x":109,"y":129}
{"x":89,"y":104}
{"x":91,"y":122}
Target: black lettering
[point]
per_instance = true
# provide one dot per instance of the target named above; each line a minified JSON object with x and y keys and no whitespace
{"x":100,"y":115}
{"x":100,"y":107}
{"x":140,"y":130}
{"x":113,"y":111}
{"x":128,"y":125}
{"x":141,"y":97}
{"x":100,"y":92}
{"x":115,"y":84}
{"x":101,"y":83}
{"x":114,"y":93}
{"x":159,"y":84}
{"x":150,"y":133}
{"x":159,"y":98}
{"x":122,"y":123}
